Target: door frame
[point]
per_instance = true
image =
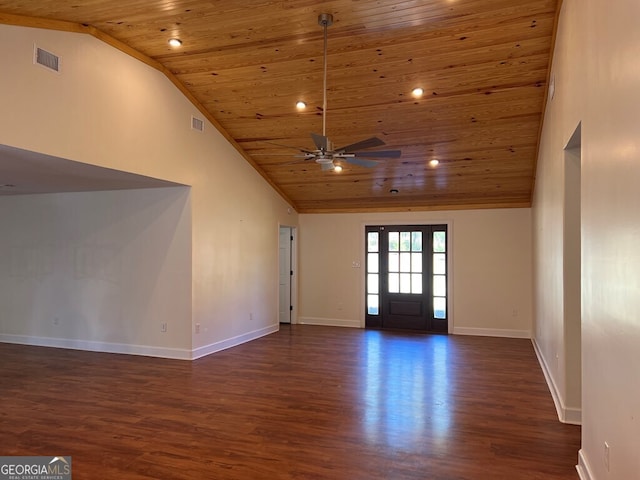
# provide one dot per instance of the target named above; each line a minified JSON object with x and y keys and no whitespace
{"x":409,"y":221}
{"x":572,"y":279}
{"x":293,"y":314}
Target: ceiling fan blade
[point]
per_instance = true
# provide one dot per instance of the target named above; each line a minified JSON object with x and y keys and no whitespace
{"x":368,"y":143}
{"x":320,"y":141}
{"x":379,"y":154}
{"x":361,"y":162}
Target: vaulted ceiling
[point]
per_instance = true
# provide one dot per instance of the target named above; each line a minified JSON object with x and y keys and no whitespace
{"x":483,"y":66}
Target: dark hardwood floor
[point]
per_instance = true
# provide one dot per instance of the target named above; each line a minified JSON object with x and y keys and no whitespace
{"x":305,"y":403}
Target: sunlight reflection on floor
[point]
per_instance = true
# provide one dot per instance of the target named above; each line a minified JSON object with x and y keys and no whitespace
{"x":407,"y":393}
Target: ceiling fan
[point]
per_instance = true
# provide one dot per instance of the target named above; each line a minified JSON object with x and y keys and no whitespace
{"x":325,"y":154}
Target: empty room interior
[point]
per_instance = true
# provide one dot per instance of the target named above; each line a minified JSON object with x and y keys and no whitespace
{"x":198,"y":280}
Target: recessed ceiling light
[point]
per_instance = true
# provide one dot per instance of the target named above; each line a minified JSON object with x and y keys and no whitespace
{"x":337,"y":168}
{"x":301,"y":105}
{"x":434,"y":162}
{"x":175,"y":42}
{"x":417,"y":92}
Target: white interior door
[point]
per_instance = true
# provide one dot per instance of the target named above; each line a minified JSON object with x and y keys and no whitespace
{"x":285,"y":308}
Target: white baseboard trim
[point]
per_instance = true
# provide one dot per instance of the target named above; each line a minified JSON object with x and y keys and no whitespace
{"x":143,"y":350}
{"x":93,"y":346}
{"x":572,"y":416}
{"x":584,"y":472}
{"x":566,"y":414}
{"x":233,"y":342}
{"x":329,"y":322}
{"x":492,"y":332}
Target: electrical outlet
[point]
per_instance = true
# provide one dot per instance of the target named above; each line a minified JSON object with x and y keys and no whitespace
{"x":197,"y":328}
{"x":163,"y":327}
{"x":251,"y":316}
{"x":56,"y":321}
{"x":606,"y":455}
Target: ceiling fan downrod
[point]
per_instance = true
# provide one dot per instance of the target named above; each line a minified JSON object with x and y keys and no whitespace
{"x":325,"y":20}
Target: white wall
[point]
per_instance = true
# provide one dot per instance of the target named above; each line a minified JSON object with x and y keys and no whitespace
{"x":552,"y":345}
{"x":98,"y":271}
{"x":491,"y":260}
{"x":108,"y":109}
{"x":597,"y":75}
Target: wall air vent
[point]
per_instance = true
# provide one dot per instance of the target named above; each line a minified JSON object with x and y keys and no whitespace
{"x":46,"y":59}
{"x":197,"y":124}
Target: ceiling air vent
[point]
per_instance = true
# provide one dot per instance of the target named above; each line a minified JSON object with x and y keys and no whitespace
{"x":197,"y":124}
{"x":47,"y":59}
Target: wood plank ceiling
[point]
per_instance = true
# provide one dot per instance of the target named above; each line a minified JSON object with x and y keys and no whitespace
{"x":483,"y":65}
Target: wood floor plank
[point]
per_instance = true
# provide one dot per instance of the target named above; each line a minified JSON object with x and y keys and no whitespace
{"x":304,"y":403}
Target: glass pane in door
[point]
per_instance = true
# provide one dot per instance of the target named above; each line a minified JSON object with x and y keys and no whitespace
{"x":394,"y":241}
{"x":373,"y":307}
{"x":372,"y":242}
{"x":439,"y":241}
{"x":404,"y":262}
{"x":373,"y":273}
{"x":440,"y":307}
{"x":416,"y":241}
